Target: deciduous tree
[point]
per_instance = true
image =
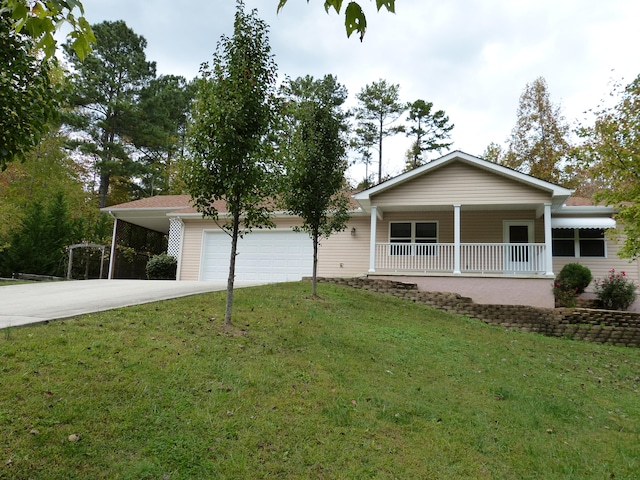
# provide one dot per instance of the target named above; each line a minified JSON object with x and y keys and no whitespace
{"x":430,"y":131}
{"x":611,"y":156}
{"x":316,"y":160}
{"x":29,"y":94}
{"x":379,"y":108}
{"x":233,"y":113}
{"x":539,"y":142}
{"x":40,"y":20}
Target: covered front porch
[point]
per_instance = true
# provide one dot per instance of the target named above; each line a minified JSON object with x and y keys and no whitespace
{"x":462,"y":240}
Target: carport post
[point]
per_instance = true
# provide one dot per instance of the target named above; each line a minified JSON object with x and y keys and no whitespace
{"x":112,"y":255}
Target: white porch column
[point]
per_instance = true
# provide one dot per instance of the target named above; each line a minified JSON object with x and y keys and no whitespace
{"x":456,"y":240}
{"x":372,"y":241}
{"x":548,"y":249}
{"x":112,"y":255}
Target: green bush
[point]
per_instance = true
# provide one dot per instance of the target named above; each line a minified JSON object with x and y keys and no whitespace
{"x":572,"y":280}
{"x":162,"y":267}
{"x":616,"y":292}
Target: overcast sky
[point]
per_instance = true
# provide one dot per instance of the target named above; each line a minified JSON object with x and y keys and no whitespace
{"x":472,"y":59}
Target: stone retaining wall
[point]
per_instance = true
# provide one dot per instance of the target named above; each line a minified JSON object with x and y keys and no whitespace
{"x":591,"y":325}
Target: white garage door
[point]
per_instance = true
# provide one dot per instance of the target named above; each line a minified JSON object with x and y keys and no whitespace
{"x":263,"y":256}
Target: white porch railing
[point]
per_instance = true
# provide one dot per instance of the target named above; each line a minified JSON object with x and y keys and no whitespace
{"x":493,"y":258}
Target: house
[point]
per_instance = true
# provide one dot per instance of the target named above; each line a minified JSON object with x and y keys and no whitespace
{"x":459,"y":224}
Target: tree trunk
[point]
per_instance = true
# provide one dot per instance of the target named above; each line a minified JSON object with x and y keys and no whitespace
{"x":103,"y":189}
{"x":314,"y":275}
{"x":232,"y":268}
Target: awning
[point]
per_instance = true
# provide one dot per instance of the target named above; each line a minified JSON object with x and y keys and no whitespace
{"x":583,"y":222}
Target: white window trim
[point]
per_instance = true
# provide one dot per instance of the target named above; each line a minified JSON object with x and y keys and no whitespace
{"x":576,"y":243}
{"x":413,"y":229}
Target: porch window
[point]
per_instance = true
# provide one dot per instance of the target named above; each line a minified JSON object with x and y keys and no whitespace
{"x":578,"y":242}
{"x":413,"y":233}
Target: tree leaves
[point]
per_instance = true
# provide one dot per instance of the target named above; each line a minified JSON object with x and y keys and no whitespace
{"x":42,"y":19}
{"x":430,"y":129}
{"x":611,"y":159}
{"x":355,"y":19}
{"x":539,"y":140}
{"x":29,"y":98}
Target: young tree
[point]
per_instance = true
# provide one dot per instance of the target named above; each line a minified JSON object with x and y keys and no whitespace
{"x":108,"y":86}
{"x":316,"y":162}
{"x":539,"y":141}
{"x":378,"y":110}
{"x":611,"y":156}
{"x":354,"y":18}
{"x":233,"y":113}
{"x":430,"y":130}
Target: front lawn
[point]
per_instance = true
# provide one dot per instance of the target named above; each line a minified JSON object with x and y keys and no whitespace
{"x":357,"y":385}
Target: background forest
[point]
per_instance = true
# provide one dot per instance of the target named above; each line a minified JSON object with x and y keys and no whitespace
{"x":100,"y":127}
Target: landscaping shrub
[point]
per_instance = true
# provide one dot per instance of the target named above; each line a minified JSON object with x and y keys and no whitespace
{"x":162,"y":267}
{"x":572,"y":280}
{"x":616,"y":292}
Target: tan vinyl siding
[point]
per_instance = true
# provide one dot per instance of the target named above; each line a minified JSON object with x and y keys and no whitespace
{"x":343,"y":254}
{"x":487,"y":226}
{"x":191,"y":247}
{"x":476,"y":226}
{"x":451,"y":185}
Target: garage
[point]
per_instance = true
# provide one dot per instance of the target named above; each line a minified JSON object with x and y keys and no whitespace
{"x":263,"y":256}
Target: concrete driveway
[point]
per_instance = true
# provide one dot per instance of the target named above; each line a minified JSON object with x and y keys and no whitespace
{"x":39,"y":302}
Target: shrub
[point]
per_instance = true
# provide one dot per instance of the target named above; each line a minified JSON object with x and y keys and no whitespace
{"x":162,"y":267}
{"x":616,"y":292}
{"x":572,"y":280}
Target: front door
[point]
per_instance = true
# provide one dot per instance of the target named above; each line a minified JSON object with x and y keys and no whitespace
{"x":517,"y":255}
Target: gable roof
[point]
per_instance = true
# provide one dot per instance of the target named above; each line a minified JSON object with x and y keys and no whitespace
{"x":559,"y":194}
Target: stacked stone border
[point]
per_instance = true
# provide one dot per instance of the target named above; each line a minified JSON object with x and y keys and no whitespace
{"x":591,"y":325}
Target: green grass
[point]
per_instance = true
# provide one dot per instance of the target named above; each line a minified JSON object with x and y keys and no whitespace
{"x":4,"y":282}
{"x":355,"y":386}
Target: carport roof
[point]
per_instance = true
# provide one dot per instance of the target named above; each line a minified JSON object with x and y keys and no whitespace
{"x":150,"y":212}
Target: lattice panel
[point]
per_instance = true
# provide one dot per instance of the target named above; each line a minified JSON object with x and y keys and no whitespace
{"x":175,"y":234}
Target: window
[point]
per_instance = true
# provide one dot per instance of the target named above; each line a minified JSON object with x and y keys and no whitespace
{"x":412,"y":233}
{"x":578,"y":242}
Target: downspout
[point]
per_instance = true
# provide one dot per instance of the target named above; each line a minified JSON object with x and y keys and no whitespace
{"x":112,"y":254}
